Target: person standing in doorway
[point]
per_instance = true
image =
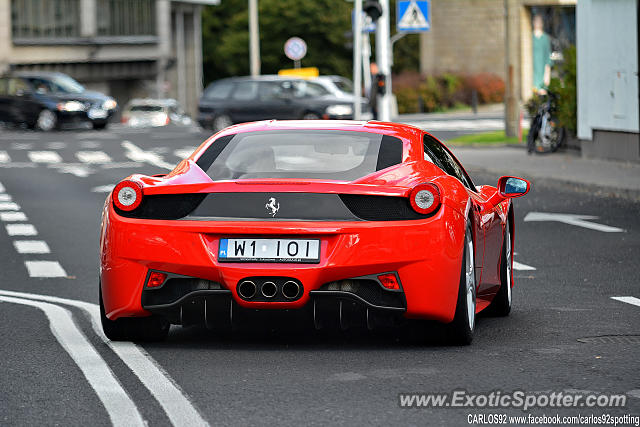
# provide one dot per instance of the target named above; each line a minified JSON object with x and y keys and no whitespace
{"x":541,"y":56}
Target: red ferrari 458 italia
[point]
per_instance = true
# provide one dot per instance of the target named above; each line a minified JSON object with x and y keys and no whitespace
{"x":342,"y":220}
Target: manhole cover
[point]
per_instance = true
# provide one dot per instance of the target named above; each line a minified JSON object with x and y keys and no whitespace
{"x":611,"y":339}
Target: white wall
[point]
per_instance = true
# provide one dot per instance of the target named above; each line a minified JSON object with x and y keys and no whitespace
{"x":607,"y":44}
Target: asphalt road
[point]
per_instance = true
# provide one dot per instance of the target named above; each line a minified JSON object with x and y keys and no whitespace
{"x":59,"y":181}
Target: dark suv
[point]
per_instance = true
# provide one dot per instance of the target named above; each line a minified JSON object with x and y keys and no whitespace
{"x":245,"y":99}
{"x":46,"y":100}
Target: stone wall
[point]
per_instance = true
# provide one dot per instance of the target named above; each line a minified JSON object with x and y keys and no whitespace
{"x":465,"y":36}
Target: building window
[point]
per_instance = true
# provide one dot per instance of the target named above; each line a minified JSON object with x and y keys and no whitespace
{"x":45,"y":19}
{"x":126,"y":17}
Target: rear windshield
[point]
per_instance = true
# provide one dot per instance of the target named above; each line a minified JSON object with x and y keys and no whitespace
{"x":304,"y":154}
{"x":146,"y":108}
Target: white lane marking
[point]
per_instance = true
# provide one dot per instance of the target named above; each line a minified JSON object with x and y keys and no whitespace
{"x":103,"y":188}
{"x":44,"y":157}
{"x":93,"y":157}
{"x":522,"y":267}
{"x":22,"y":145}
{"x":123,"y":165}
{"x":78,"y":169}
{"x":168,"y":394}
{"x":89,"y":144}
{"x":45,"y":269}
{"x":21,"y":230}
{"x":1,"y":188}
{"x":9,"y":206}
{"x":56,"y":145}
{"x":18,"y":165}
{"x":4,"y":197}
{"x":571,"y":219}
{"x":4,"y":157}
{"x":185,"y":152}
{"x":12,"y":216}
{"x":628,"y":300}
{"x":137,"y":154}
{"x":31,"y":246}
{"x":121,"y":409}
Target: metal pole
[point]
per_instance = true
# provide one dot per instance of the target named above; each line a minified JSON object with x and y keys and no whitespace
{"x":382,"y":58}
{"x":366,"y":64}
{"x":357,"y":59}
{"x":254,"y":39}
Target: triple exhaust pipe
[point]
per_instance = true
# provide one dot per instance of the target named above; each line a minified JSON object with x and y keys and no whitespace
{"x":268,"y":290}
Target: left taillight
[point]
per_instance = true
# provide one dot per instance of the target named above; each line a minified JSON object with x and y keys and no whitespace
{"x":127,"y":195}
{"x":425,"y":198}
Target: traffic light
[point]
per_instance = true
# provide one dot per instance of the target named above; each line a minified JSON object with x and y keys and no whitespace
{"x":373,"y":9}
{"x":381,"y":83}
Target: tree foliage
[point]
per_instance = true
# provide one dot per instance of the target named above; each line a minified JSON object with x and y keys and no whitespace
{"x":321,"y":23}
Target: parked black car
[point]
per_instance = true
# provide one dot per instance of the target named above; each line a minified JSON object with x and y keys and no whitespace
{"x":245,"y":99}
{"x":46,"y":100}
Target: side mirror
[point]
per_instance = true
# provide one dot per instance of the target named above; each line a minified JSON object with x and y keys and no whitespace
{"x":511,"y":186}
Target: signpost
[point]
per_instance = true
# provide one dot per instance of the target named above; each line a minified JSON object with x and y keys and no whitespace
{"x":295,"y":48}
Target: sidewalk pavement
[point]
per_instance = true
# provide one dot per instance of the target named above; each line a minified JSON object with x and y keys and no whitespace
{"x":618,"y":178}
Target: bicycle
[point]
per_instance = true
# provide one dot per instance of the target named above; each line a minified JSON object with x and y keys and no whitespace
{"x":545,"y":133}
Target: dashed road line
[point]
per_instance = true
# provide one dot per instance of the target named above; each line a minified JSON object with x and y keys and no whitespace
{"x":137,"y":154}
{"x":4,"y":157}
{"x":185,"y":152}
{"x":93,"y":157}
{"x":44,"y":157}
{"x":103,"y":188}
{"x":121,"y":409}
{"x":179,"y":409}
{"x":572,"y":219}
{"x":31,"y":246}
{"x":80,"y":170}
{"x":1,"y":188}
{"x":628,"y":300}
{"x":12,"y":216}
{"x":45,"y":269}
{"x":21,"y":230}
{"x":9,"y":206}
{"x":22,"y":145}
{"x":56,"y":145}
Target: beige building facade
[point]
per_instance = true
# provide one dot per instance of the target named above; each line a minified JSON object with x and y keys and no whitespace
{"x":127,"y":49}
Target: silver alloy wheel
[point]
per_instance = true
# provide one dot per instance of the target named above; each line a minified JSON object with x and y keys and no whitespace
{"x":509,"y":262}
{"x":46,"y":120}
{"x":311,"y":116}
{"x":220,"y":122}
{"x":470,"y":282}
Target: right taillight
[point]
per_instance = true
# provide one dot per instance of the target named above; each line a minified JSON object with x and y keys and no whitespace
{"x":127,"y":195}
{"x":425,"y":198}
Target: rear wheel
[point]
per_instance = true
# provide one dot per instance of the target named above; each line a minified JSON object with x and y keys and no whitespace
{"x":99,"y":126}
{"x":152,"y":328}
{"x":501,"y":304}
{"x":464,"y":320}
{"x":311,"y":116}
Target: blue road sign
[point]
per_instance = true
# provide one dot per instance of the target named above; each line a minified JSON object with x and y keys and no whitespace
{"x":413,"y":16}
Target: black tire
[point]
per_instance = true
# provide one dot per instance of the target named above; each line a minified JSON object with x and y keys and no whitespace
{"x":310,"y":116}
{"x":152,"y":328}
{"x":99,"y":126}
{"x":535,"y":142}
{"x":463,"y":325}
{"x":501,"y":304}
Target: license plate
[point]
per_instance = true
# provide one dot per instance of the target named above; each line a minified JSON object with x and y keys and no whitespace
{"x":269,"y":250}
{"x":97,"y":113}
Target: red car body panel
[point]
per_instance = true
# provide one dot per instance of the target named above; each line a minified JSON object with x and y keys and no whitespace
{"x":426,"y":253}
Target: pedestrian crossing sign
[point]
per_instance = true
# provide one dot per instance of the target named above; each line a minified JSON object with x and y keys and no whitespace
{"x":413,"y":16}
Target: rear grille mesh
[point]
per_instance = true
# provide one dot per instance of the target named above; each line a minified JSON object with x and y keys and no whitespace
{"x":381,"y":208}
